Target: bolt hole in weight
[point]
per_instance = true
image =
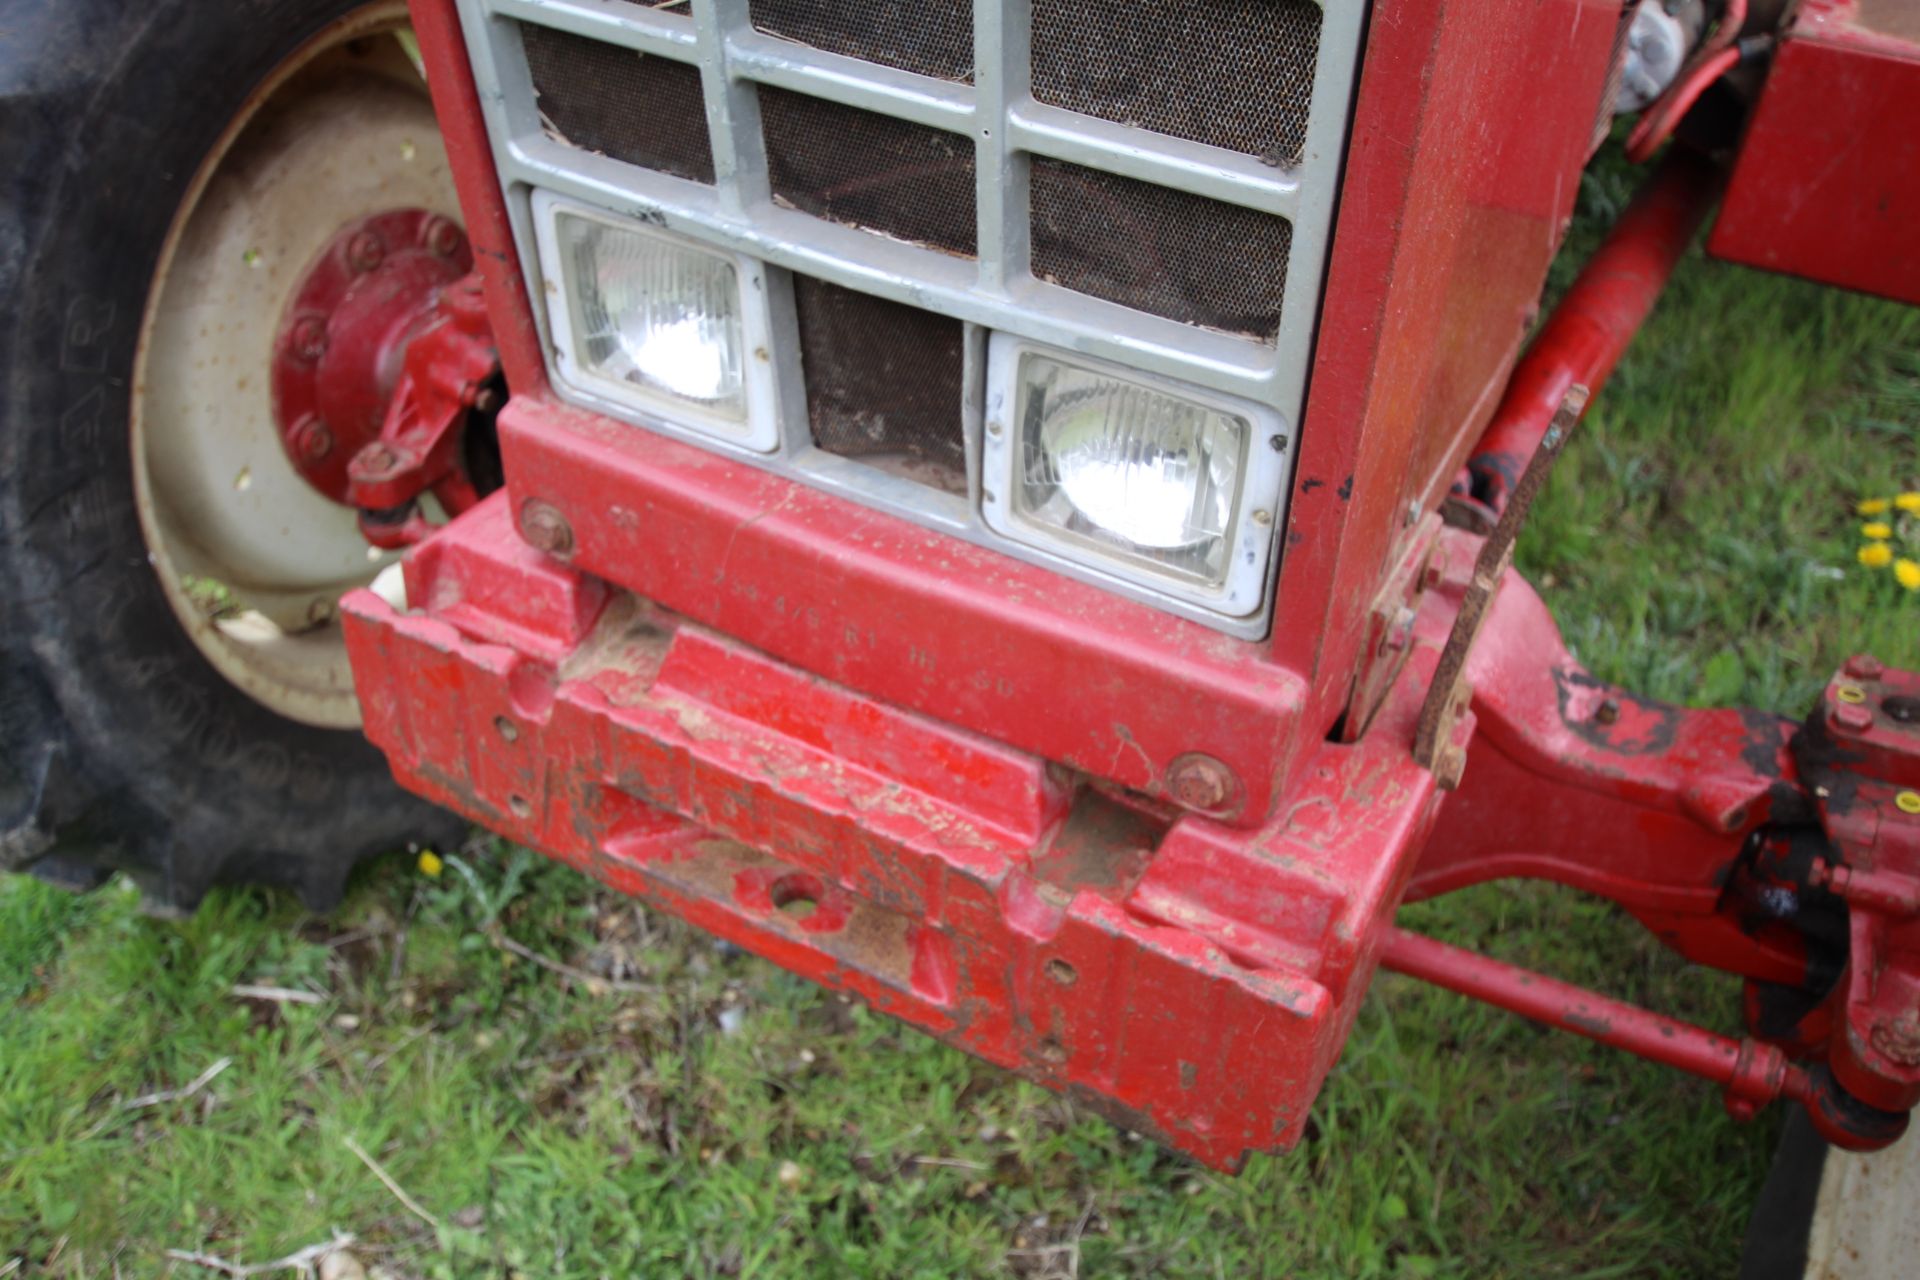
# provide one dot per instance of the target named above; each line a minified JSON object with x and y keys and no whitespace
{"x":795,"y":895}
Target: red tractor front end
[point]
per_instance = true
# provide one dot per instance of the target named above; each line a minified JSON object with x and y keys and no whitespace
{"x":1009,"y":513}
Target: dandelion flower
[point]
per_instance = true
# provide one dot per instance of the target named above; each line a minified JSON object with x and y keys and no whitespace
{"x":1908,"y":502}
{"x":1875,"y":555}
{"x":1872,"y":506}
{"x":431,"y":865}
{"x":1908,"y":572}
{"x":1877,"y":529}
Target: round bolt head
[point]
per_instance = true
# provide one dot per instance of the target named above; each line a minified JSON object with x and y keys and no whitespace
{"x":366,"y":251}
{"x":1852,"y":717}
{"x":1908,"y":802}
{"x":308,"y":340}
{"x":1201,"y":782}
{"x":545,"y":529}
{"x":441,"y":237}
{"x":1850,"y":693}
{"x":311,"y":439}
{"x":375,"y":460}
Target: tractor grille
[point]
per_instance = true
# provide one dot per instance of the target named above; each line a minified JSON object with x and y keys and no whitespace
{"x":1160,"y":250}
{"x":918,"y":190}
{"x":628,"y":106}
{"x":870,"y":171}
{"x":1236,"y":74}
{"x":928,"y":39}
{"x":883,"y":383}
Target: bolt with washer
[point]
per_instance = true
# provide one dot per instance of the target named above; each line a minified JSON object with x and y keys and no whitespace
{"x":545,"y":529}
{"x":1200,"y":782}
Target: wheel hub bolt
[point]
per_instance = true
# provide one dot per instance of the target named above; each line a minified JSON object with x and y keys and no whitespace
{"x":545,"y":529}
{"x":311,"y":440}
{"x":441,"y":237}
{"x":1200,"y":782}
{"x":365,"y":251}
{"x":308,"y":341}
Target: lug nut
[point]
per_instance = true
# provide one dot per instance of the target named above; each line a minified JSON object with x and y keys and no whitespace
{"x":545,"y":529}
{"x":1864,"y":666}
{"x":366,"y":251}
{"x":441,"y":237}
{"x":1200,"y":782}
{"x":308,"y":341}
{"x":1852,"y":717}
{"x":311,"y":439}
{"x":375,"y":460}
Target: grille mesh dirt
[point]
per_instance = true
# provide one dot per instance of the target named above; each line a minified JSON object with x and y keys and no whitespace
{"x":870,"y":171}
{"x":930,"y":39}
{"x":1231,"y":73}
{"x":1155,"y":249}
{"x":628,"y":106}
{"x":884,"y":383}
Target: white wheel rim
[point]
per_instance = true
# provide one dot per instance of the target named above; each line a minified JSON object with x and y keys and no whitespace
{"x":252,"y":559}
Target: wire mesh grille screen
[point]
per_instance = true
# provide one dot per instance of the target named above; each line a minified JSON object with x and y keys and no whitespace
{"x":1157,"y":249}
{"x":870,"y":171}
{"x":1230,"y":73}
{"x":884,"y":382}
{"x":625,"y":105}
{"x":930,"y":39}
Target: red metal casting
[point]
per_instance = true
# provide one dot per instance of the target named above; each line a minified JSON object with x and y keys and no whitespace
{"x":450,"y":372}
{"x":1827,"y":183}
{"x":1193,"y":979}
{"x":337,"y":357}
{"x":1861,"y":757}
{"x":1589,"y":331}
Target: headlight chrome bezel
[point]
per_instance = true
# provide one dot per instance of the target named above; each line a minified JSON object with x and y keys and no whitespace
{"x":759,"y":429}
{"x":1241,"y":590}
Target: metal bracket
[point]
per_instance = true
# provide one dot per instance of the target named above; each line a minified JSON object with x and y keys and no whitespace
{"x":1439,"y":745}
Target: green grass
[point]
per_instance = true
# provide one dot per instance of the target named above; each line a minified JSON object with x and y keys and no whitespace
{"x":692,"y":1111}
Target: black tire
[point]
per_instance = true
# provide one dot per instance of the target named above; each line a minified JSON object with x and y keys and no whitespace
{"x":121,"y":747}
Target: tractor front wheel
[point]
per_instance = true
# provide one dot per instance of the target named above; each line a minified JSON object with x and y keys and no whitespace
{"x":175,"y":700}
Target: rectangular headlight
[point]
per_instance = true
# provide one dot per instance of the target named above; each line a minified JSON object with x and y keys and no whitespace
{"x":648,"y":318}
{"x":1167,"y":486}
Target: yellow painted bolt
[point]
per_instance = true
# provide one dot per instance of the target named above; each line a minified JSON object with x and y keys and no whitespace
{"x":430,"y":863}
{"x":1851,"y":693}
{"x":1909,"y":801}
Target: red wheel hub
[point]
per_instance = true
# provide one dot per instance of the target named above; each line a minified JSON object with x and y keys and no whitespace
{"x":343,"y":337}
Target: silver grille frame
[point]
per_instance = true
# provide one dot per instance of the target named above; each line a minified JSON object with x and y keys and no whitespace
{"x":993,"y":292}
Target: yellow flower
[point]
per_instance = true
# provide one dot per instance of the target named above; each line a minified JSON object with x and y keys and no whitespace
{"x":1908,"y":502}
{"x":1872,"y":506}
{"x":1878,"y":529}
{"x":430,"y":864}
{"x":1908,"y":572}
{"x":1876,"y":555}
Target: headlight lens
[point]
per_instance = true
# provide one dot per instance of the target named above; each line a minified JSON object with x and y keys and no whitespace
{"x":654,"y":314}
{"x":1130,"y":467}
